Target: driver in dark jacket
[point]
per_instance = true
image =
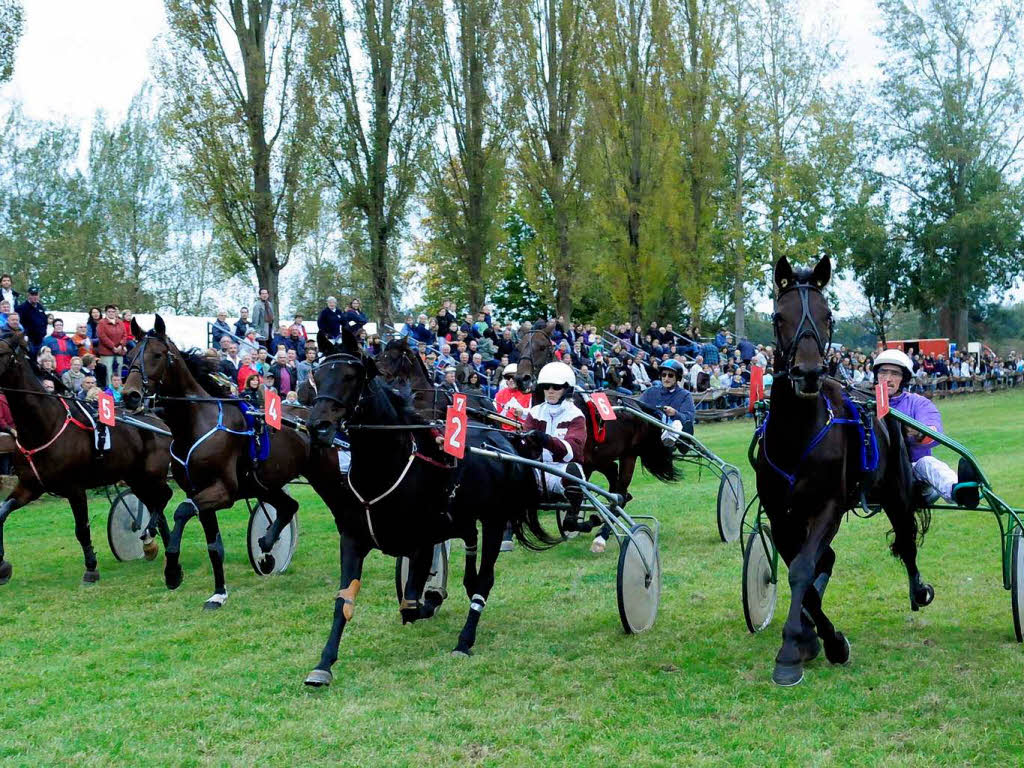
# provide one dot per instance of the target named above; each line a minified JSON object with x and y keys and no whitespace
{"x":672,"y":400}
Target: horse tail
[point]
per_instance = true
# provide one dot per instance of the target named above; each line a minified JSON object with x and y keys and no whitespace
{"x":655,"y":458}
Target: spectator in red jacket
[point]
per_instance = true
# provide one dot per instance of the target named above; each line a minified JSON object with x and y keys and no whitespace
{"x":62,"y":346}
{"x":111,"y":333}
{"x":129,"y":337}
{"x":245,"y":370}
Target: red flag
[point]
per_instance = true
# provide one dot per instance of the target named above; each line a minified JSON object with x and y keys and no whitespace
{"x":105,"y":406}
{"x":756,"y":386}
{"x":881,"y":400}
{"x":272,"y":409}
{"x":604,"y":406}
{"x":456,"y":424}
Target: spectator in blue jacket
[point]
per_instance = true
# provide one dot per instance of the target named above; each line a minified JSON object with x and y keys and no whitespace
{"x":746,"y":350}
{"x":353,"y":319}
{"x":420,"y":332}
{"x":220,"y":328}
{"x":329,"y":319}
{"x":32,"y":314}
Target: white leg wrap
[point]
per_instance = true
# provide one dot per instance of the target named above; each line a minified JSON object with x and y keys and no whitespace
{"x":477,"y":603}
{"x":218,"y":598}
{"x":937,"y":474}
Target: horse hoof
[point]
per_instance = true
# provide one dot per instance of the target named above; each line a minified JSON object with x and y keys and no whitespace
{"x":462,"y":653}
{"x":924,"y":596}
{"x":788,"y":675}
{"x":319,"y":678}
{"x":5,"y":572}
{"x":810,"y":649}
{"x":267,"y":564}
{"x":838,"y":650}
{"x":409,"y":615}
{"x":150,"y":549}
{"x":90,"y":577}
{"x":598,"y":545}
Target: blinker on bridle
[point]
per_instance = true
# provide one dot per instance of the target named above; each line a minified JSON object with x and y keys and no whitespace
{"x":340,"y":358}
{"x":806,"y":327}
{"x":139,"y":363}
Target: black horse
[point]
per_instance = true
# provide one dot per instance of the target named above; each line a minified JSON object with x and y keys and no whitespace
{"x":818,"y":458}
{"x":409,"y":495}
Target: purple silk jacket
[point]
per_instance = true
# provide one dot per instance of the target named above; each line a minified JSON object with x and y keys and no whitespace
{"x":922,"y":409}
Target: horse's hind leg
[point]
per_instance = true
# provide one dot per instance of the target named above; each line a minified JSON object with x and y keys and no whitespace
{"x":419,"y":569}
{"x":80,"y":509}
{"x":619,"y":477}
{"x":482,"y":588}
{"x":286,"y":508}
{"x":352,"y":557}
{"x":837,"y":649}
{"x":214,"y":545}
{"x":155,"y":497}
{"x":904,"y":546}
{"x":19,"y":497}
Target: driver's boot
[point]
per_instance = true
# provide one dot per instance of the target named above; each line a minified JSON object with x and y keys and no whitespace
{"x":573,"y":495}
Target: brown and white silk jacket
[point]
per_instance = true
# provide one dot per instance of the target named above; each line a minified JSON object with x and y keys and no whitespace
{"x":565,"y":424}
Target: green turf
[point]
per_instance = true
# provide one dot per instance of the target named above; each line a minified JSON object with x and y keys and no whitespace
{"x":128,"y":673}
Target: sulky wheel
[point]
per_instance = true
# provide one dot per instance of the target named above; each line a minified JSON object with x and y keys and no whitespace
{"x":759,"y":592}
{"x":437,"y":579}
{"x":1017,"y":582}
{"x":638,"y":589}
{"x":126,"y":525}
{"x":262,"y":517}
{"x":730,"y":504}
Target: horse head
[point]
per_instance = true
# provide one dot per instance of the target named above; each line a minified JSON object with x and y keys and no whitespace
{"x":148,"y":363}
{"x":13,"y":348}
{"x":341,"y":378}
{"x":396,"y":360}
{"x":534,"y":353}
{"x":803,"y":324}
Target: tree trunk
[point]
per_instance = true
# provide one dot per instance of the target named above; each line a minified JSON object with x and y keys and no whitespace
{"x":563,"y":267}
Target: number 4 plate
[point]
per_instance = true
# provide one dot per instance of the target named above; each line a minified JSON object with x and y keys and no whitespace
{"x":272,"y":410}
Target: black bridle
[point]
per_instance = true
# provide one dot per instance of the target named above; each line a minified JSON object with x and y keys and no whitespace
{"x":139,"y":363}
{"x":806,"y":327}
{"x":341,"y":358}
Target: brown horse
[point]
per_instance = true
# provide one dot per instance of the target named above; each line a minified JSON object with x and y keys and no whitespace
{"x":612,"y":448}
{"x":56,"y":454}
{"x":211,"y":450}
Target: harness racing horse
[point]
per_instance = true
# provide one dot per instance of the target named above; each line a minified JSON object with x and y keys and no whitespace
{"x":612,"y":448}
{"x":409,"y":496}
{"x":215,"y":456}
{"x":56,"y":454}
{"x":819,"y":458}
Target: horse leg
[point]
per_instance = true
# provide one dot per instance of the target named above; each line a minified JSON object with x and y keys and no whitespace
{"x":619,"y":477}
{"x":481,"y":589}
{"x":904,"y":546}
{"x":172,"y":567}
{"x":214,"y":545}
{"x":837,"y":648}
{"x":80,"y":509}
{"x":19,"y":497}
{"x":802,"y":563}
{"x":469,"y":575}
{"x":352,"y":557}
{"x":286,"y":508}
{"x":419,"y":569}
{"x":155,"y":499}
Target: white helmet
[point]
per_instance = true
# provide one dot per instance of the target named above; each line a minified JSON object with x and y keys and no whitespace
{"x":894,"y":357}
{"x":509,"y":370}
{"x":557,"y":373}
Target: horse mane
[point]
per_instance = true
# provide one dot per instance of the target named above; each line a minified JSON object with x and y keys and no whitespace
{"x":201,"y":367}
{"x":540,"y":325}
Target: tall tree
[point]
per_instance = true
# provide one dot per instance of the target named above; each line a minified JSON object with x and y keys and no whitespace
{"x":465,"y":177}
{"x":132,"y":196}
{"x":240,"y":114}
{"x":376,"y":103}
{"x":953,"y":114}
{"x":547,"y":52}
{"x":630,"y":141}
{"x":11,"y":26}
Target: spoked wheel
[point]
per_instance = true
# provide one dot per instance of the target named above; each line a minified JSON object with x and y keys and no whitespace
{"x":1017,"y":583}
{"x":759,"y":592}
{"x":560,"y":519}
{"x":730,"y":504}
{"x":262,"y":517}
{"x":638,"y":590}
{"x":126,"y":525}
{"x":437,"y":579}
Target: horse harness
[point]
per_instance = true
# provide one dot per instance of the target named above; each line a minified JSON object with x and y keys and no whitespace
{"x":806,"y":327}
{"x":28,"y":453}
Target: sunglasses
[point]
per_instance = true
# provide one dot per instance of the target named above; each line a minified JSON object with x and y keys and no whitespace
{"x":509,"y":376}
{"x":542,"y":387}
{"x":668,"y":373}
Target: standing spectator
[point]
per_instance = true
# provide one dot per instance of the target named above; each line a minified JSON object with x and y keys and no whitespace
{"x":72,"y":378}
{"x":62,"y":346}
{"x":295,"y":343}
{"x":112,"y":342}
{"x":297,"y":323}
{"x":220,"y":327}
{"x":305,"y":368}
{"x":353,"y":319}
{"x":243,"y":324}
{"x":32,"y":314}
{"x":249,"y":344}
{"x":92,"y":323}
{"x":7,"y":293}
{"x":329,"y":319}
{"x":746,"y":350}
{"x":280,"y":338}
{"x":446,"y":316}
{"x":230,"y":362}
{"x":263,"y":316}
{"x":81,"y":339}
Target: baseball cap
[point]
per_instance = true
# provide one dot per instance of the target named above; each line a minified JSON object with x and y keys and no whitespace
{"x":33,"y":289}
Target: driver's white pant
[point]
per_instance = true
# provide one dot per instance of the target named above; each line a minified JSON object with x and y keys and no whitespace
{"x":937,"y":474}
{"x":668,"y":437}
{"x":549,"y":483}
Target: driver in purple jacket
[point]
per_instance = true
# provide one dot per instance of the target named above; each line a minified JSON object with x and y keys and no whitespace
{"x":894,"y":369}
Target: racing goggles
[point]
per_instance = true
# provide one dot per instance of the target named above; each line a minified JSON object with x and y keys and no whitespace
{"x":542,"y":387}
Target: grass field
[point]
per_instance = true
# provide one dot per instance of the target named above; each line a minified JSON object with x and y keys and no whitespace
{"x":128,"y":673}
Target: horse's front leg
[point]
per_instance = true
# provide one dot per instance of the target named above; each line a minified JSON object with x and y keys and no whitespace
{"x":802,"y":559}
{"x":482,"y":588}
{"x":411,"y":608}
{"x":155,"y":498}
{"x":352,"y":556}
{"x":20,"y":496}
{"x":80,"y":509}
